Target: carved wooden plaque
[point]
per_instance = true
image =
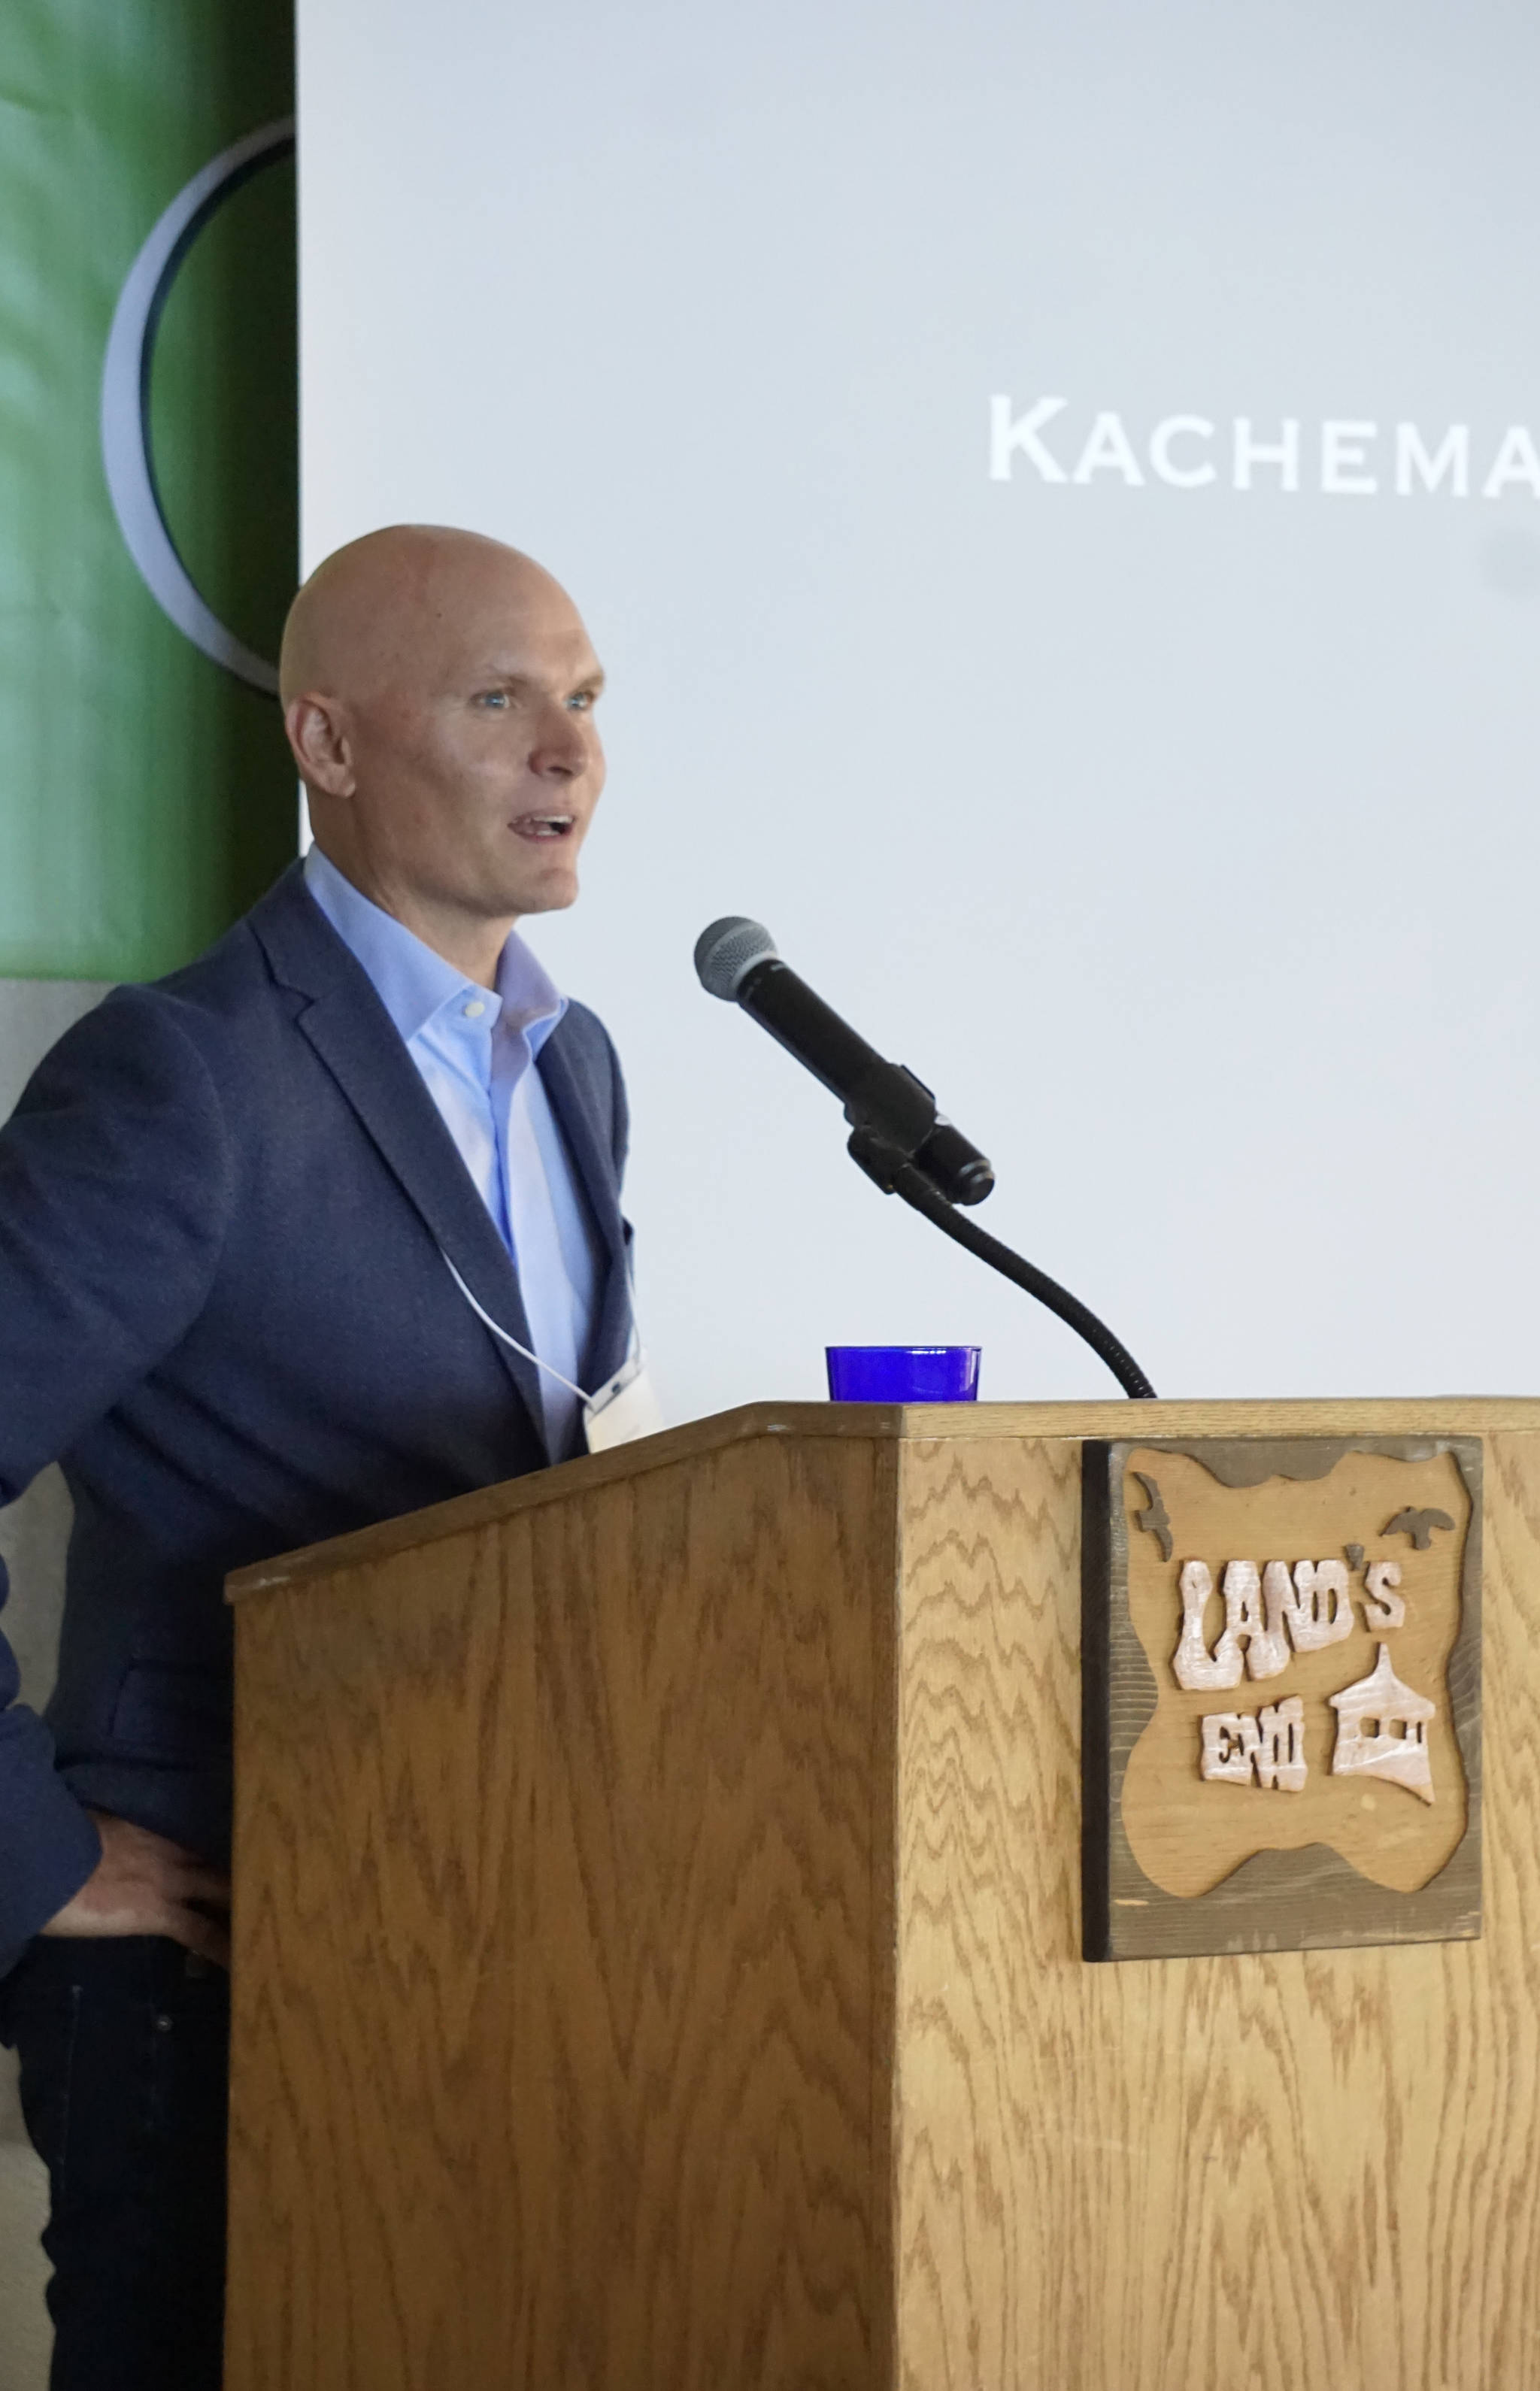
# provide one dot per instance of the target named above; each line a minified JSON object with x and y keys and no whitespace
{"x":1282,"y":1694}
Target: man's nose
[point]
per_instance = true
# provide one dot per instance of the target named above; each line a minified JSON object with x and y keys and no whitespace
{"x":561,"y":749}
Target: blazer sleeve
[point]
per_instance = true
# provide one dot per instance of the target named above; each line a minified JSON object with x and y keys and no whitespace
{"x":115,"y":1194}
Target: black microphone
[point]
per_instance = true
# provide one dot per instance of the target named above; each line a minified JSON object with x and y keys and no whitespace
{"x":736,"y":960}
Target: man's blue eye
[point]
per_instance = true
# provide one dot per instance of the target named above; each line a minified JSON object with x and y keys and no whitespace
{"x":493,"y":697}
{"x":582,"y":702}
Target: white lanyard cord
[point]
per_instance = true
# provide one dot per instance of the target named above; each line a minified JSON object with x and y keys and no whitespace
{"x":487,"y":1320}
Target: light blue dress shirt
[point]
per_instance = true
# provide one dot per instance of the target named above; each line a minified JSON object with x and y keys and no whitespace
{"x":475,"y":1049}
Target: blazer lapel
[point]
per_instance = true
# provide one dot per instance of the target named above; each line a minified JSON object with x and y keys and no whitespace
{"x":354,"y":1037}
{"x":588,"y":1141}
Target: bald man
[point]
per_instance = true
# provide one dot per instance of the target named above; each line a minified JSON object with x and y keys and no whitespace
{"x":247,"y":1218}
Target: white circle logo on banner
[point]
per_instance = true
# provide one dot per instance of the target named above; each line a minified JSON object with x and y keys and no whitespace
{"x":126,"y":451}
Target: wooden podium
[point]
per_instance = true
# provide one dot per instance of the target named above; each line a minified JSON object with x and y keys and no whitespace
{"x":658,"y":1957}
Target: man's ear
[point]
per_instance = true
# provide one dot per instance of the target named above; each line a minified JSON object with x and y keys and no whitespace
{"x":318,"y":734}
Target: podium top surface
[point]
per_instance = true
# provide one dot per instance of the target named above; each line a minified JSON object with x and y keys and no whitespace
{"x":900,"y":1423}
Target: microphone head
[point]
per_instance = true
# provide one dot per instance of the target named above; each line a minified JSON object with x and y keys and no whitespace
{"x":727,"y":952}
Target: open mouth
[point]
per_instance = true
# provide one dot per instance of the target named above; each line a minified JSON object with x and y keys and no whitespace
{"x":545,"y":826}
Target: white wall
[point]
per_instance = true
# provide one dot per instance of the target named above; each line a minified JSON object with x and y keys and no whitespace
{"x":1183,"y":838}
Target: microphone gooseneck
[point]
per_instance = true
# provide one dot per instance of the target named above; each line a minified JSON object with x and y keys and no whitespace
{"x":896,"y":1136}
{"x":896,"y":1177}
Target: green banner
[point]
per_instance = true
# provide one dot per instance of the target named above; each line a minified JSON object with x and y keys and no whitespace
{"x":146,"y":791}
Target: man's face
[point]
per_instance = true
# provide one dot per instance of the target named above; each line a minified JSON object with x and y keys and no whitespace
{"x":476,"y":758}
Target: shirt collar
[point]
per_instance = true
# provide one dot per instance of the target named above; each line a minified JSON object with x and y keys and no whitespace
{"x":413,"y":983}
{"x":528,"y":997}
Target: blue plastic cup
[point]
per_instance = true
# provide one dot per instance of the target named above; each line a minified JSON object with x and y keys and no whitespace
{"x":902,"y":1373}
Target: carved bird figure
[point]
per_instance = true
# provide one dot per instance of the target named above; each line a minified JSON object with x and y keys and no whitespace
{"x":1418,"y":1525}
{"x":1154,"y":1518}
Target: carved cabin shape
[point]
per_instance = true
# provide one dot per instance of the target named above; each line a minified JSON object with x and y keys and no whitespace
{"x":1382,"y":1730}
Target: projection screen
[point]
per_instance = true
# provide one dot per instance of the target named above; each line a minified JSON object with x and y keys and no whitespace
{"x":1058,"y":494}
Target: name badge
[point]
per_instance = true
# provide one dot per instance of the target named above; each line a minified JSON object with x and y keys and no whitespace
{"x":623,"y":1409}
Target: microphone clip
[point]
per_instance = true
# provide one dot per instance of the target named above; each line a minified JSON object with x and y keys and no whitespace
{"x":883,"y":1162}
{"x":888,"y":1135}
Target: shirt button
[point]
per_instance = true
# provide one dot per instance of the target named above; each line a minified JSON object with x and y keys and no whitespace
{"x":474,"y":1010}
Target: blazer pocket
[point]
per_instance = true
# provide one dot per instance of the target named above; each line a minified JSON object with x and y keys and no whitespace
{"x":163,"y":1712}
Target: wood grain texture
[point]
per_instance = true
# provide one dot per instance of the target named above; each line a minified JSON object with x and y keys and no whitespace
{"x":657,"y":1936}
{"x":563,"y":1941}
{"x":1271,"y":2171}
{"x":943,"y":1423}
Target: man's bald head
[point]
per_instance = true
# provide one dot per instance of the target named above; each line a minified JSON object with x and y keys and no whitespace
{"x":438,"y":690}
{"x":379,"y":607}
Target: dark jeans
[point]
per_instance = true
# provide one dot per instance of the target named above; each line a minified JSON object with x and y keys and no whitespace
{"x":125,"y":2051}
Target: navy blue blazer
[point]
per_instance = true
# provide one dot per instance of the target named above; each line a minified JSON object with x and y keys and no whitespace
{"x":225,"y":1201}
